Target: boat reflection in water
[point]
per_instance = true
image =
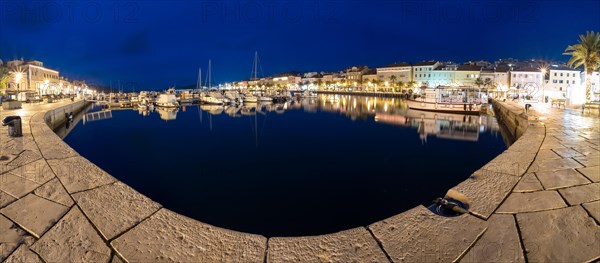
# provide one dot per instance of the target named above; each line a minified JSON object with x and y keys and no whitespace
{"x":167,"y":114}
{"x":442,"y":125}
{"x":395,"y":111}
{"x":392,"y":111}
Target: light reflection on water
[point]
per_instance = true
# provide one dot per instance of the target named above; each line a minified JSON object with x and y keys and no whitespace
{"x":304,"y":167}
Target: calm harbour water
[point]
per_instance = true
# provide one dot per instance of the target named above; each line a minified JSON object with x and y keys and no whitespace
{"x":306,"y":167}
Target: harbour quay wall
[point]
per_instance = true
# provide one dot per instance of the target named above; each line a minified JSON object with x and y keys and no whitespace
{"x":58,"y":116}
{"x":136,"y":229}
{"x":513,"y":117}
{"x":364,"y":93}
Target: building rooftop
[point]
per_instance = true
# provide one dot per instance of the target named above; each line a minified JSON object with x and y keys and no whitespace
{"x":357,"y":68}
{"x":469,"y":68}
{"x":371,"y":72}
{"x":426,"y":63}
{"x":394,"y":65}
{"x":527,"y":69}
{"x":562,"y":67}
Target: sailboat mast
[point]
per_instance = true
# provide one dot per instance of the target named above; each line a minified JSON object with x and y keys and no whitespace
{"x":209,"y":74}
{"x":255,"y":64}
{"x":199,"y":81}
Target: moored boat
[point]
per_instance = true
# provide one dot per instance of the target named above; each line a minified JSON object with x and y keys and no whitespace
{"x":168,"y":99}
{"x":461,"y":100}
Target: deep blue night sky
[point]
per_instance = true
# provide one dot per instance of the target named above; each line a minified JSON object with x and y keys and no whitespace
{"x":153,"y":44}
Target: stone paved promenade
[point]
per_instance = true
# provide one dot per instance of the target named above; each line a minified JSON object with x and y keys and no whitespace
{"x":537,"y":202}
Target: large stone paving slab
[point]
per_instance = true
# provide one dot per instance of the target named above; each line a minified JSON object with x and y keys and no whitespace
{"x":567,"y":152}
{"x":53,"y":190}
{"x":15,"y":146}
{"x":10,"y":237}
{"x":593,"y":209}
{"x":486,"y":190}
{"x":592,"y":173}
{"x":112,"y":218}
{"x":79,"y":174}
{"x":52,"y":147}
{"x":561,"y":179}
{"x":23,"y":255}
{"x":169,"y":237}
{"x":16,"y":186}
{"x":510,"y":162}
{"x":34,"y":214}
{"x":72,"y":239}
{"x":588,"y":160}
{"x":546,"y":154}
{"x":500,"y":243}
{"x":531,"y":202}
{"x":581,"y":194}
{"x":529,"y":183}
{"x":418,"y":235}
{"x":37,"y":171}
{"x":561,"y":235}
{"x":553,"y":165}
{"x":354,"y":245}
{"x":5,"y":199}
{"x":25,"y":157}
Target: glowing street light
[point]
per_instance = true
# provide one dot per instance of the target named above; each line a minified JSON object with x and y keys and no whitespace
{"x":18,"y":77}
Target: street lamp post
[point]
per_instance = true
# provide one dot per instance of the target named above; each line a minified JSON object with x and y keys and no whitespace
{"x":543,"y":85}
{"x":18,"y":77}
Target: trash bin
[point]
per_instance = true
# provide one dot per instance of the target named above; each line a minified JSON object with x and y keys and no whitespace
{"x":14,"y":126}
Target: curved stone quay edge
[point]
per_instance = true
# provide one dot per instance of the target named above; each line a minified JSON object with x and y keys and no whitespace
{"x":539,"y":200}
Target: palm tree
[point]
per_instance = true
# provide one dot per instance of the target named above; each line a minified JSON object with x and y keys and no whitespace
{"x":393,"y":82}
{"x":4,"y":76}
{"x":586,"y":53}
{"x":479,"y":82}
{"x":401,"y":85}
{"x":488,"y":83}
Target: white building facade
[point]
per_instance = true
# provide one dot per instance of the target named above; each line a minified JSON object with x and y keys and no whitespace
{"x":564,"y":83}
{"x":423,"y":71}
{"x":526,"y":81}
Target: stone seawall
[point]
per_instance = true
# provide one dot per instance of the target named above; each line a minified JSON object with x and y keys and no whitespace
{"x":512,"y":117}
{"x":519,"y":204}
{"x":57,"y":117}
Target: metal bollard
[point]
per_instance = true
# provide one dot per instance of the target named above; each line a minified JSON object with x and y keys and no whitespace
{"x":14,"y":126}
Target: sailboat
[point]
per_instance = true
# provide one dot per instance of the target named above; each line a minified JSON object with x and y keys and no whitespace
{"x":261,"y":97}
{"x":211,"y":97}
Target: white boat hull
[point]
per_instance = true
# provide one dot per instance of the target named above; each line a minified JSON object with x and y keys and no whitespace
{"x":459,"y":108}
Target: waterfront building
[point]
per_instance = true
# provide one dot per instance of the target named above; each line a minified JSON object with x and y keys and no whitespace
{"x":422,"y":73}
{"x":564,"y":83}
{"x":444,"y":75}
{"x":466,"y":75}
{"x":35,"y":77}
{"x":595,"y":79}
{"x":354,"y":75}
{"x":498,"y":77}
{"x":285,"y":80}
{"x":371,"y":77}
{"x":312,"y":78}
{"x":401,"y":71}
{"x":526,"y":81}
